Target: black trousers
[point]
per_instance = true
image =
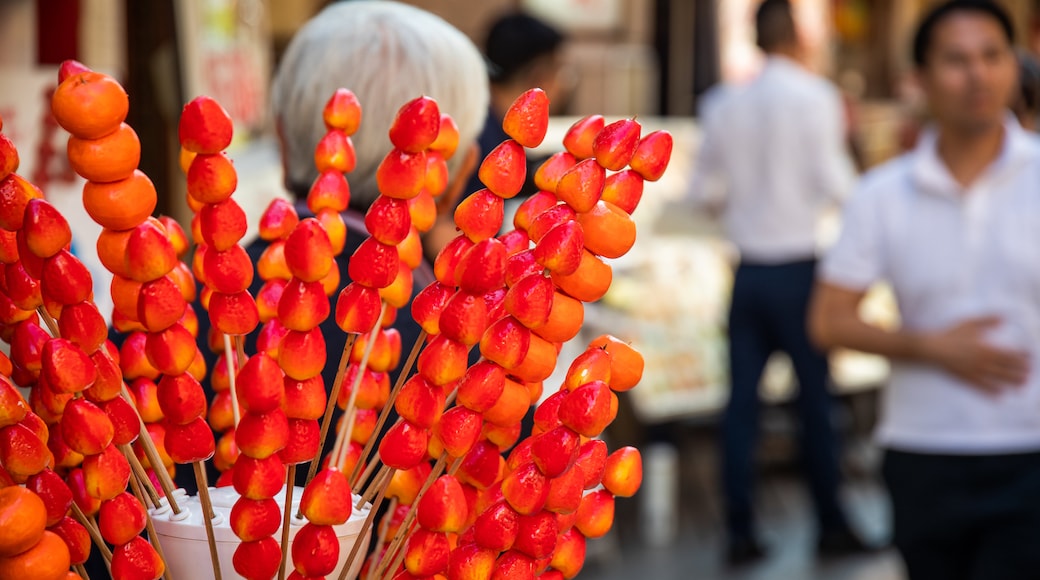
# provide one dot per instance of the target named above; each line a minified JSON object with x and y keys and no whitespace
{"x":966,"y":517}
{"x":768,"y":314}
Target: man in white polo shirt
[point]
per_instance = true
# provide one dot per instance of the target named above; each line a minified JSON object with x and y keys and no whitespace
{"x":954,"y":228}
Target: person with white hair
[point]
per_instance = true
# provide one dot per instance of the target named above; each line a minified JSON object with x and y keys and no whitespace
{"x":771,"y":161}
{"x":387,"y":54}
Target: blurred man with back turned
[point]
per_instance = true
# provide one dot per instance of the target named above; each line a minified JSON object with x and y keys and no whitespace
{"x":772,"y":159}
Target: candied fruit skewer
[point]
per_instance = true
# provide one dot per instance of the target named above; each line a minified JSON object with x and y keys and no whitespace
{"x":104,"y":150}
{"x":329,"y":195}
{"x":205,"y":131}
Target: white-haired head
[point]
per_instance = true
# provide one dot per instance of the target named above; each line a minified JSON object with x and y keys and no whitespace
{"x":387,"y":53}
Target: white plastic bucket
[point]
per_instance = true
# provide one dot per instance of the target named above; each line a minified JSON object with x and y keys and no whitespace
{"x":184,"y":543}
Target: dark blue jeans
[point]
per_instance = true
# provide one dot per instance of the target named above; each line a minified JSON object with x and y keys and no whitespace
{"x":768,"y":314}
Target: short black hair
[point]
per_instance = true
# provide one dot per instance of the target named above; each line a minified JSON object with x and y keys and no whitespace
{"x":774,"y":24}
{"x":926,"y":29}
{"x":515,"y":41}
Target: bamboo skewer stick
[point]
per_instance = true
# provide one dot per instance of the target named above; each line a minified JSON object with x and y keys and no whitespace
{"x":95,"y":535}
{"x":165,"y":482}
{"x":207,"y":515}
{"x":394,"y":550}
{"x":152,"y":536}
{"x":385,"y":413}
{"x":455,"y":465}
{"x":82,"y":571}
{"x":290,"y":486}
{"x":370,"y":491}
{"x":384,"y":529}
{"x":364,"y":529}
{"x":343,"y":436}
{"x":232,"y":369}
{"x":326,"y":420}
{"x":141,"y":475}
{"x":240,"y":348}
{"x":49,"y":321}
{"x":395,"y":553}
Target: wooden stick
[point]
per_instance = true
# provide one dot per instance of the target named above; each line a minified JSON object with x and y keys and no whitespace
{"x":369,"y":490}
{"x":374,"y":486}
{"x":95,"y":535}
{"x":207,"y":515}
{"x":402,"y":532}
{"x":240,"y":348}
{"x":363,"y":479}
{"x":165,"y":482}
{"x":82,"y":571}
{"x":232,"y":370}
{"x":364,"y":530}
{"x":326,"y":420}
{"x":384,"y":528}
{"x":141,"y":475}
{"x":343,"y":436}
{"x":455,"y":465}
{"x":397,"y":554}
{"x":290,"y":486}
{"x":148,"y":524}
{"x":49,"y":321}
{"x":385,"y":413}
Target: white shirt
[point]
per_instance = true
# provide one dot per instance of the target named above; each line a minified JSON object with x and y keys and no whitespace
{"x":952,"y":253}
{"x":774,"y":155}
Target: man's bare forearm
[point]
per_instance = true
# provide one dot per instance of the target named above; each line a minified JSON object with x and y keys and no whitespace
{"x":834,"y":322}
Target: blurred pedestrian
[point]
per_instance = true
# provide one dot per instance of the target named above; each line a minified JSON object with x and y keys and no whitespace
{"x":952,"y":226}
{"x":772,"y":159}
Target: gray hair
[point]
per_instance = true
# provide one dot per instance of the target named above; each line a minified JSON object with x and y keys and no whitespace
{"x":387,"y":53}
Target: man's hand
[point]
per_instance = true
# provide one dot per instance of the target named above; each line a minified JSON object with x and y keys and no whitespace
{"x":963,"y":350}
